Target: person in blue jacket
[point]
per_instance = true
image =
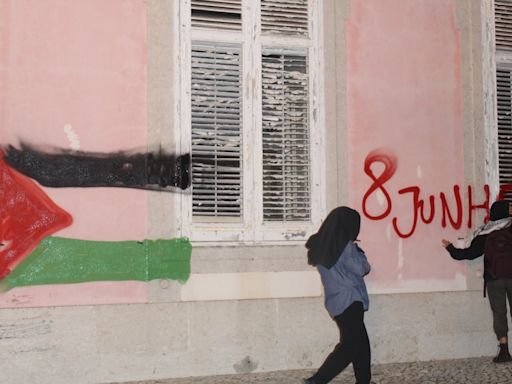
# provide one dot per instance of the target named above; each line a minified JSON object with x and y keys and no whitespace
{"x":342,"y":266}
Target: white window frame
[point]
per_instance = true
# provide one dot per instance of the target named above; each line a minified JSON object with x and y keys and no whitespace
{"x":251,"y":230}
{"x":494,"y":60}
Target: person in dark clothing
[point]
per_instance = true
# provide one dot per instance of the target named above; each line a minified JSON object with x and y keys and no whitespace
{"x":498,"y":290}
{"x":342,"y":266}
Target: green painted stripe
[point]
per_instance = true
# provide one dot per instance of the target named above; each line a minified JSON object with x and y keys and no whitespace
{"x":59,"y":260}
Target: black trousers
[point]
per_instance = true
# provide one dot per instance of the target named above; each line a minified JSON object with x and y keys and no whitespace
{"x":498,"y":292}
{"x":354,"y":347}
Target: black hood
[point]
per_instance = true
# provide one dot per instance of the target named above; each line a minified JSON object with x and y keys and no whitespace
{"x":340,"y":226}
{"x":499,"y":210}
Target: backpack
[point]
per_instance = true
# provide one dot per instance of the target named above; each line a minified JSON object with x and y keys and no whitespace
{"x":498,"y":253}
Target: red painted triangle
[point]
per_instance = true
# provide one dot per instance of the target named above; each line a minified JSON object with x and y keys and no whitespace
{"x":27,"y":215}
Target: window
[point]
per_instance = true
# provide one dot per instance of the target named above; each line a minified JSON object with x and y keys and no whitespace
{"x":251,"y":117}
{"x":503,"y":25}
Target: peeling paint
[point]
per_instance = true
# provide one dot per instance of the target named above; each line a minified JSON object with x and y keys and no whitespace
{"x":400,"y":253}
{"x":25,"y":328}
{"x":292,"y":235}
{"x":36,"y":349}
{"x":388,"y":232}
{"x":74,"y":140}
{"x":381,"y":199}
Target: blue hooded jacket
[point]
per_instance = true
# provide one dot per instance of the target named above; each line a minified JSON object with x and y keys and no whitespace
{"x":344,"y":281}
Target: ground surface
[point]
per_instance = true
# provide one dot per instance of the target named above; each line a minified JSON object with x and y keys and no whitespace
{"x":461,"y":371}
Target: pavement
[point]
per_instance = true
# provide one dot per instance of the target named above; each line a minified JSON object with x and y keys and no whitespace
{"x":461,"y":371}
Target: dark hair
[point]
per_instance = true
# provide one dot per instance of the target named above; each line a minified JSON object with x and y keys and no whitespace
{"x":500,"y":210}
{"x":339,"y":227}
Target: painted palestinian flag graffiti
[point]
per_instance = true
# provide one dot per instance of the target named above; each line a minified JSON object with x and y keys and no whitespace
{"x":28,"y":216}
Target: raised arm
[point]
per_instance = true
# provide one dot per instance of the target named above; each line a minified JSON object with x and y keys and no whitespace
{"x":355,"y":260}
{"x":475,"y":249}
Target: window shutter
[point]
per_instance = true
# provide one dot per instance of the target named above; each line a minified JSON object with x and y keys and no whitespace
{"x":504,"y":96}
{"x":285,"y":96}
{"x":503,"y":21}
{"x":217,"y":14}
{"x":216,"y":130}
{"x":284,"y":17}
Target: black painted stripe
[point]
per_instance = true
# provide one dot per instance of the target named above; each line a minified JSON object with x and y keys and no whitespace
{"x":153,"y":171}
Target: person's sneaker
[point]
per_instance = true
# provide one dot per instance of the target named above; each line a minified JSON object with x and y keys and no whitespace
{"x":307,"y":381}
{"x":503,"y":355}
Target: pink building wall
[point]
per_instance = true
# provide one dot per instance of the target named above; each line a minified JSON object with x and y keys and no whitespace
{"x":404,"y":98}
{"x":73,"y":75}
